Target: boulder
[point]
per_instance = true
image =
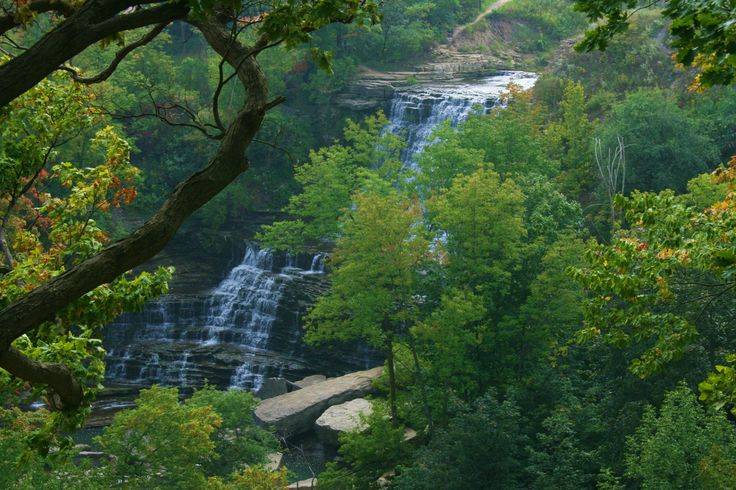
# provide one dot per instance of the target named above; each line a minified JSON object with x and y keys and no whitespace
{"x":275,"y":461}
{"x":295,"y":413}
{"x":309,"y":483}
{"x":411,"y":436}
{"x":341,"y":418}
{"x":272,"y":387}
{"x":310,"y":380}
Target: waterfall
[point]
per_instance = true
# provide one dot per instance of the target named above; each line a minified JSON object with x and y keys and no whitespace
{"x":224,"y":336}
{"x":247,"y":326}
{"x":416,"y":111}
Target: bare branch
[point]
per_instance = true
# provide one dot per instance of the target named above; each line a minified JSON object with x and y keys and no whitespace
{"x":119,"y":56}
{"x":90,"y":23}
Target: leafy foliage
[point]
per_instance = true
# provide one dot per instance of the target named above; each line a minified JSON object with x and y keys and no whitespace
{"x":366,"y":455}
{"x":678,"y":445}
{"x":703,"y":32}
{"x":483,"y":444}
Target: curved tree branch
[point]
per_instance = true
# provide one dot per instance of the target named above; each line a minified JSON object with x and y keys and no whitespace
{"x":119,"y":56}
{"x":90,"y":23}
{"x":66,"y":390}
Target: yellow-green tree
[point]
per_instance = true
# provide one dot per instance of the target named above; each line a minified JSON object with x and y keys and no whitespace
{"x":374,"y":277}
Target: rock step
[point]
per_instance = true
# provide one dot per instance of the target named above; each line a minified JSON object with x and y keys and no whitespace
{"x":295,"y":412}
{"x":342,"y":418}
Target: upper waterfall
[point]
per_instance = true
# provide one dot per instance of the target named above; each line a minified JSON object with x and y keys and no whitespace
{"x":416,"y":111}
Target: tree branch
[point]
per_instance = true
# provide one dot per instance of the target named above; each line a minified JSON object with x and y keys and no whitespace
{"x":9,"y":21}
{"x":43,"y":303}
{"x":89,"y":24}
{"x":119,"y":56}
{"x":66,"y":390}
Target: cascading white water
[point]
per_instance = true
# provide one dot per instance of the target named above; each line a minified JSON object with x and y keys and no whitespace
{"x":171,"y":339}
{"x":418,"y":110}
{"x":243,"y":306}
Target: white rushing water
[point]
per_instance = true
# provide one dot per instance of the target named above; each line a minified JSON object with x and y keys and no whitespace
{"x":238,"y":313}
{"x":417,"y":111}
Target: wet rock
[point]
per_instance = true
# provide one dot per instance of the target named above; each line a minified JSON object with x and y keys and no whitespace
{"x":341,"y":418}
{"x":296,"y":412}
{"x":272,"y":387}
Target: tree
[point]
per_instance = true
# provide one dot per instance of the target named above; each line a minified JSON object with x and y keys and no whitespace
{"x":67,"y":30}
{"x":483,"y":444}
{"x":329,"y":180}
{"x":52,"y":214}
{"x":162,"y":441}
{"x":664,"y":145}
{"x":570,"y":137}
{"x":677,"y":446}
{"x":703,"y":32}
{"x":482,"y":216}
{"x":238,"y":441}
{"x":375,"y":272}
{"x":666,"y":283}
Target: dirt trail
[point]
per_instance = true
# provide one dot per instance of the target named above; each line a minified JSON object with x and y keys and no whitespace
{"x":481,"y":16}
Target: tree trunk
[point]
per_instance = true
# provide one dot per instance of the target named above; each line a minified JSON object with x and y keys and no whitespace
{"x":6,"y":249}
{"x":391,"y":381}
{"x":422,"y":387}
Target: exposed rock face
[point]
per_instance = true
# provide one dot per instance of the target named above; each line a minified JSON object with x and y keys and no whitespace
{"x":188,"y":337}
{"x":372,"y":90}
{"x":295,"y":412}
{"x":342,"y":418}
{"x":272,"y":387}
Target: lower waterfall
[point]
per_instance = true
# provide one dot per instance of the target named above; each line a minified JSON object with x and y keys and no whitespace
{"x":222,"y":337}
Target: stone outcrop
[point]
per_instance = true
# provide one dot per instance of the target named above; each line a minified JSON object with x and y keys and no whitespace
{"x":295,"y":412}
{"x":342,"y":418}
{"x":311,"y":380}
{"x":309,"y":483}
{"x":275,"y":461}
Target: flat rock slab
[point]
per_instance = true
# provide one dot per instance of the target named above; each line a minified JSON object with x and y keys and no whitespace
{"x":295,"y":413}
{"x":309,"y":483}
{"x":342,"y":418}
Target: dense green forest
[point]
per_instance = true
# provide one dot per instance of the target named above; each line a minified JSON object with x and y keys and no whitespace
{"x":552,"y":287}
